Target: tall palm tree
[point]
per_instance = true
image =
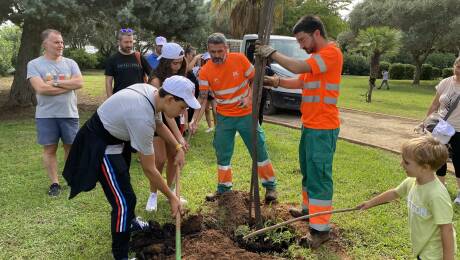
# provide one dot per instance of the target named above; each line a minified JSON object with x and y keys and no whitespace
{"x":374,"y":42}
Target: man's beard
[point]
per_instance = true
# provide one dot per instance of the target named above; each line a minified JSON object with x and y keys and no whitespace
{"x":309,"y":50}
{"x":218,"y":60}
{"x":126,"y":49}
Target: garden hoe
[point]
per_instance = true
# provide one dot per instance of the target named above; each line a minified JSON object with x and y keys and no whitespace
{"x":263,"y":230}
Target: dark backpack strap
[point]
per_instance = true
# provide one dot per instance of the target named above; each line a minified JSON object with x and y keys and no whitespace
{"x":454,"y":105}
{"x":138,"y":59}
{"x":150,"y":102}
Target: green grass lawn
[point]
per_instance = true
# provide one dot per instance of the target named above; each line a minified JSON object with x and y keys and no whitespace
{"x":403,"y":98}
{"x":34,"y":226}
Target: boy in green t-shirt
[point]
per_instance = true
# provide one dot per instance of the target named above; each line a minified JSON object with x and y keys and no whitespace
{"x":430,"y":209}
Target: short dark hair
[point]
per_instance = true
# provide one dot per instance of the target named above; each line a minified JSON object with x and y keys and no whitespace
{"x":121,"y":34}
{"x":46,"y":33}
{"x":163,"y":94}
{"x":309,"y":24}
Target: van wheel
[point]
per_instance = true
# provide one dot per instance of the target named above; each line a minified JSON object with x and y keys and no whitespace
{"x":269,"y":108}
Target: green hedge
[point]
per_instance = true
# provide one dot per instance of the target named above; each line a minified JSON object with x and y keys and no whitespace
{"x":427,"y":70}
{"x":355,"y":64}
{"x":436,"y":73}
{"x":447,"y":72}
{"x":402,"y":71}
{"x":82,"y":58}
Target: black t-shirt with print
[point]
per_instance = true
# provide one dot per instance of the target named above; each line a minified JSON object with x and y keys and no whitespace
{"x":125,"y":70}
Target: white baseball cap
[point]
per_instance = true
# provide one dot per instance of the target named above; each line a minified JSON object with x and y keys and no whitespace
{"x":182,"y":87}
{"x":172,"y":51}
{"x":160,"y":40}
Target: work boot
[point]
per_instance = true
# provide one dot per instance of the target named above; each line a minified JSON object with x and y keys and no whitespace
{"x":270,"y":195}
{"x":297,"y":213}
{"x":315,"y":239}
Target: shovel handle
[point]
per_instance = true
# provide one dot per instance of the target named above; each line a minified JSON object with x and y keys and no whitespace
{"x":263,"y":230}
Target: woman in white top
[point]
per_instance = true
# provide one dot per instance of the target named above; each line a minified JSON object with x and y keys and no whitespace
{"x":447,"y":91}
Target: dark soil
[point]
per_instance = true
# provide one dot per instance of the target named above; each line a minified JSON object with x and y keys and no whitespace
{"x":215,"y":233}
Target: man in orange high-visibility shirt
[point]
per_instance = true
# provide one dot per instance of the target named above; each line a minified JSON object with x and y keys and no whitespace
{"x":228,"y":77}
{"x":319,"y":81}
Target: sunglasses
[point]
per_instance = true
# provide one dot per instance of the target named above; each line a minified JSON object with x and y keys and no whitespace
{"x":126,"y":30}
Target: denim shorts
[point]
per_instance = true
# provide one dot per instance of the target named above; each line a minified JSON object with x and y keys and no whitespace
{"x":49,"y":130}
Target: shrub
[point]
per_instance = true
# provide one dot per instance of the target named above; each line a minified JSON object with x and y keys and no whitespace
{"x":383,"y":66}
{"x":427,"y":71}
{"x":396,"y":71}
{"x":409,"y":70}
{"x":441,"y":60}
{"x":82,"y":58}
{"x":100,"y":60}
{"x":447,"y":72}
{"x":355,"y":64}
{"x":435,"y":73}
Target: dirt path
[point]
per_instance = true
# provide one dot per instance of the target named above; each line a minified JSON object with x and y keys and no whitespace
{"x":371,"y":129}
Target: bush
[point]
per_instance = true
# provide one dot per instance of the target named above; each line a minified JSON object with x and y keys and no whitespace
{"x":355,"y":64}
{"x":427,"y":71}
{"x":409,"y":70}
{"x":396,"y":71}
{"x":447,"y":72}
{"x":82,"y":58}
{"x":435,"y":73}
{"x":100,"y":61}
{"x":441,"y":60}
{"x":383,"y":66}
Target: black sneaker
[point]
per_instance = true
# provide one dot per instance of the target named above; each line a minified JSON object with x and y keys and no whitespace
{"x":55,"y":190}
{"x":271,"y":195}
{"x":138,"y":224}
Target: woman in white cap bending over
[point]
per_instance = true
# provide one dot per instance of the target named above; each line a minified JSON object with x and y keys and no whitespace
{"x":172,"y":62}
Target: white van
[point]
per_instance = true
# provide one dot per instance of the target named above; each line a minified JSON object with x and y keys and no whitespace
{"x":278,"y":97}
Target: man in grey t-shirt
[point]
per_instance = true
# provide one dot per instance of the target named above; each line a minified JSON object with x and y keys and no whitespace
{"x":54,"y":79}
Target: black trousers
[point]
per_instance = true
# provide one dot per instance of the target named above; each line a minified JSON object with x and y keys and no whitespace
{"x":454,"y":144}
{"x":115,"y":181}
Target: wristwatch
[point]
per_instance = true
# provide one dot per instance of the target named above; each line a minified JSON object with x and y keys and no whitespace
{"x":55,"y":84}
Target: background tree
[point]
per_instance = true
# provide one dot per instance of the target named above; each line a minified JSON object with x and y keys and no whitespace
{"x":374,"y":42}
{"x":10,"y":36}
{"x":34,"y":16}
{"x":424,"y":24}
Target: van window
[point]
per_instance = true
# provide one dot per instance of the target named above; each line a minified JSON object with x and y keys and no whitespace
{"x":287,"y":47}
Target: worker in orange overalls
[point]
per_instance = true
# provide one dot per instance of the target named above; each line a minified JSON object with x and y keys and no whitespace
{"x":228,"y":77}
{"x":319,"y":80}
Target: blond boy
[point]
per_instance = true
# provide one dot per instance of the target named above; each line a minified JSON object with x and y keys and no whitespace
{"x":430,"y":209}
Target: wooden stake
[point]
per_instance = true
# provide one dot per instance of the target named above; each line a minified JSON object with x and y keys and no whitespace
{"x":265,"y":25}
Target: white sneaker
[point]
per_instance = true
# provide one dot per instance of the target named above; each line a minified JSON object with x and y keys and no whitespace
{"x":457,"y":200}
{"x":152,"y":202}
{"x":209,"y":130}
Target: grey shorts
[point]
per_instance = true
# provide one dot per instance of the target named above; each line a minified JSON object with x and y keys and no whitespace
{"x":49,"y":130}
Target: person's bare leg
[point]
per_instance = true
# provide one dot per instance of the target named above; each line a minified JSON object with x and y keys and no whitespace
{"x":66,"y":151}
{"x":208,"y":117}
{"x":160,"y":158}
{"x":50,"y":161}
{"x":171,"y":169}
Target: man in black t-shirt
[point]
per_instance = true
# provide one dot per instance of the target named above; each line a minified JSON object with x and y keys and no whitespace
{"x":126,"y":67}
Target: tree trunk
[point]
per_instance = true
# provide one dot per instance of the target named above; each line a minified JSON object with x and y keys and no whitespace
{"x":373,"y":75}
{"x":418,"y":71}
{"x":22,"y":93}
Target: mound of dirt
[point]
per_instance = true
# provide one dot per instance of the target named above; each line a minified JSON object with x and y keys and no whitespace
{"x":217,"y":233}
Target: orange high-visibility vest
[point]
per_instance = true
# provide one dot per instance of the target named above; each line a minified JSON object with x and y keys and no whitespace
{"x":229,"y":83}
{"x":321,"y":89}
